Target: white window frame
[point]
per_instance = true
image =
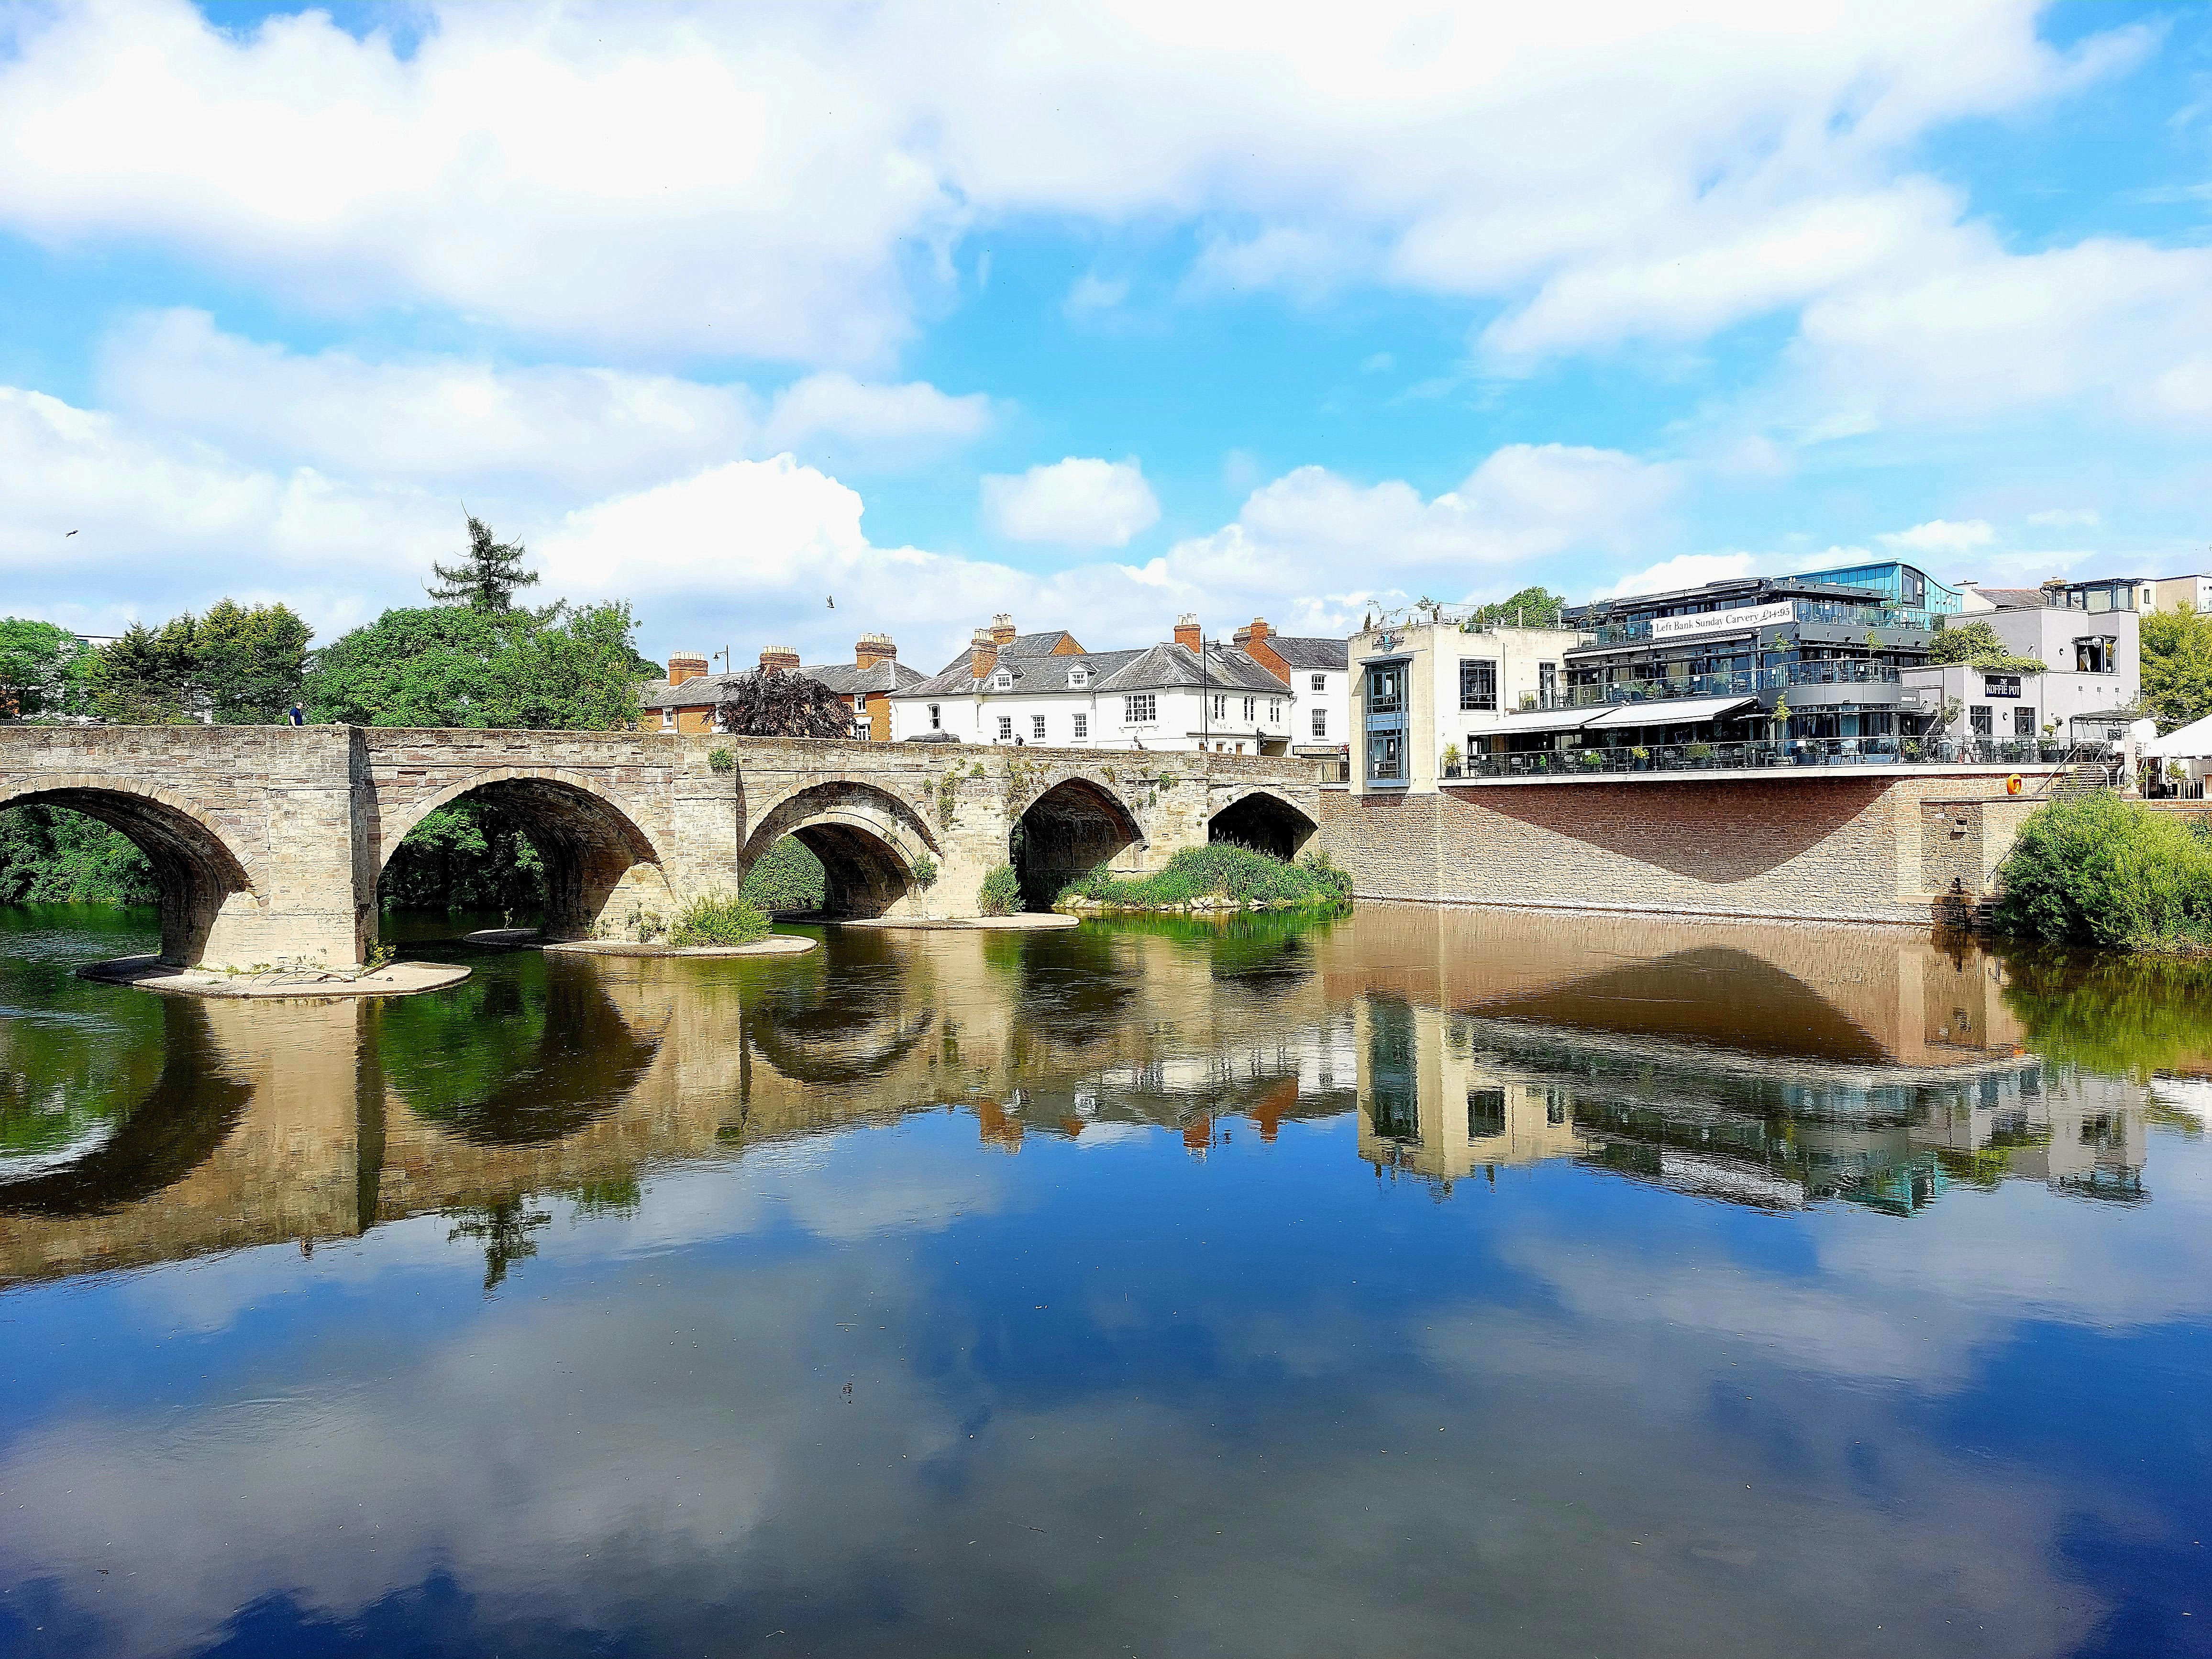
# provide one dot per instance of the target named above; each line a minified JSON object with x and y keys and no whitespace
{"x":936,"y":718}
{"x":1077,"y":679}
{"x":668,"y":720}
{"x":1002,"y":681}
{"x":1251,"y":708}
{"x":1140,"y":708}
{"x":1221,"y":707}
{"x":1005,"y":728}
{"x":1320,"y":722}
{"x":1274,"y":710}
{"x":1037,"y":728}
{"x":1320,"y":682}
{"x":1083,"y":726}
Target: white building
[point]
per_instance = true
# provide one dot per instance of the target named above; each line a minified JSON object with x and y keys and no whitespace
{"x":1014,"y":688}
{"x":1429,"y":693}
{"x":2094,"y":660}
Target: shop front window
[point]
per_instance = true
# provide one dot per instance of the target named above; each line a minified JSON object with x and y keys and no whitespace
{"x":1979,"y":718}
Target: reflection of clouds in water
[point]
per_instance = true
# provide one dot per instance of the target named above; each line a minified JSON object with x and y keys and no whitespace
{"x":840,"y":1189}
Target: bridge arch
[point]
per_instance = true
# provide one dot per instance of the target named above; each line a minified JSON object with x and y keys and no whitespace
{"x":1078,"y":824}
{"x":596,"y":854}
{"x":1263,"y":821}
{"x":203,"y":881}
{"x":869,"y":842}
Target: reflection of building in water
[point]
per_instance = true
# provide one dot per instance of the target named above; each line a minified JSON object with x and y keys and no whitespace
{"x":1758,"y":1064}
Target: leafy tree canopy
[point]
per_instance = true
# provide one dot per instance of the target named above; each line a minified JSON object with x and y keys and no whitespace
{"x":41,"y":670}
{"x":1977,"y":645}
{"x":759,"y":704}
{"x":2176,"y":665}
{"x":553,"y":669}
{"x":1531,"y":607}
{"x":235,"y":666}
{"x":488,"y":575}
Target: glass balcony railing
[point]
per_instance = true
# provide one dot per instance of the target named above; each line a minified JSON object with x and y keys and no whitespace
{"x":1828,"y":612}
{"x":1739,"y":683}
{"x":1796,"y":751}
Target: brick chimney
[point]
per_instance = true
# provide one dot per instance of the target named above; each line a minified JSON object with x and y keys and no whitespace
{"x":1252,"y":642}
{"x":685,"y":665}
{"x":1188,"y":632}
{"x":778,"y":659}
{"x":874,"y":648}
{"x":1002,"y":630}
{"x":982,"y":654}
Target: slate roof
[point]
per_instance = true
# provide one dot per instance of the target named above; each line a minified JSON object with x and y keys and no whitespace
{"x":1022,"y":645}
{"x":2014,"y":598}
{"x":705,"y":689}
{"x":1155,"y":668}
{"x":1303,"y":654}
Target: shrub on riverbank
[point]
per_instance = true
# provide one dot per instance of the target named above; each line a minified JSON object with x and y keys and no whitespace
{"x":1002,"y":892}
{"x":1222,"y":869}
{"x":718,"y":919}
{"x":50,"y":856}
{"x":2097,"y":869}
{"x":787,"y":876}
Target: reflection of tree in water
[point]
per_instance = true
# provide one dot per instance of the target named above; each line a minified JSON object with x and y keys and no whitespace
{"x":1074,"y":985}
{"x":187,"y":1112}
{"x":528,"y":1050}
{"x":505,"y":1225}
{"x":2121,"y":1013}
{"x":849,"y":1015}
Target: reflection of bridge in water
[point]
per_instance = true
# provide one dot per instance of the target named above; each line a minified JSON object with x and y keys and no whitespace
{"x":1758,"y":1064}
{"x":1762,"y":1065}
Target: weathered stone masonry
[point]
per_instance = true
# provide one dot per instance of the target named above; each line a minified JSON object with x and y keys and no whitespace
{"x":1858,"y":845}
{"x":269,"y":840}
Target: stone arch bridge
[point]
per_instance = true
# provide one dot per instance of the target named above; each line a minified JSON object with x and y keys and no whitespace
{"x":268,"y":842}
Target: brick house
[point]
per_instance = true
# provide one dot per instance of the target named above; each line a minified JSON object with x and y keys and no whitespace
{"x":687,"y":701}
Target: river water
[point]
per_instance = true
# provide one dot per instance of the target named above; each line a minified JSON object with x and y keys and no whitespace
{"x":1405,"y":1284}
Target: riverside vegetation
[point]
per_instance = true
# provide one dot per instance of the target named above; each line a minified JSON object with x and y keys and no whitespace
{"x":1221,"y":875}
{"x":2104,"y":871}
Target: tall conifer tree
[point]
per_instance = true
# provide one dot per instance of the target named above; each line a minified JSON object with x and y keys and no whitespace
{"x":487,"y":580}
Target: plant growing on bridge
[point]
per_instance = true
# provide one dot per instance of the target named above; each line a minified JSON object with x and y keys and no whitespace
{"x":1002,"y":893}
{"x":722,"y":760}
{"x":760,"y":704}
{"x":718,"y":919}
{"x":948,"y":797}
{"x":1021,"y":782}
{"x":925,"y":872}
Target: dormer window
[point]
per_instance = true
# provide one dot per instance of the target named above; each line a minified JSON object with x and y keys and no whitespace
{"x":1078,"y":678}
{"x":1002,"y":681}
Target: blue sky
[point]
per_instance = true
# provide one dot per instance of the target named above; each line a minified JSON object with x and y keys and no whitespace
{"x":1091,"y":314}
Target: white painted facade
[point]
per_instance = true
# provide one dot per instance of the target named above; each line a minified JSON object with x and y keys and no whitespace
{"x":1233,"y":721}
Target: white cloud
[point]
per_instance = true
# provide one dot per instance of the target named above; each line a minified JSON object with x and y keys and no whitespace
{"x":1941,"y":536}
{"x":1684,"y":570}
{"x":2056,"y":517}
{"x":1093,"y":293}
{"x":781,"y":181}
{"x":1330,"y":545}
{"x":1076,"y":502}
{"x":448,"y":417}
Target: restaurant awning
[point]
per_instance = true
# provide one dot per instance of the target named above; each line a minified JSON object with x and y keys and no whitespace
{"x":1676,"y":711}
{"x":1550,"y":720}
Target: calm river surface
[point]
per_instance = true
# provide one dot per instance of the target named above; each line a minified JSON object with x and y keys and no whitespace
{"x":1406,"y":1283}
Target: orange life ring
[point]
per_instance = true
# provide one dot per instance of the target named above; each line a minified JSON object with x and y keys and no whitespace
{"x":2012,"y":783}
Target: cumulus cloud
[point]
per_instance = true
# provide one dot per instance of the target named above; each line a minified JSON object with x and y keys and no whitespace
{"x":1683,"y":570}
{"x":1330,"y":545}
{"x":455,"y":417}
{"x":787,"y":181}
{"x":1941,"y":536}
{"x":1076,"y":502}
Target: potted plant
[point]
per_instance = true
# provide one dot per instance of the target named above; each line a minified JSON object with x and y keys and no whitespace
{"x":1451,"y":760}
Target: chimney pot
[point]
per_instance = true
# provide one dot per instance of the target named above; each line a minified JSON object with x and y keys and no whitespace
{"x":686,"y":666}
{"x":778,"y":659}
{"x":1002,"y":629}
{"x":874,"y":648}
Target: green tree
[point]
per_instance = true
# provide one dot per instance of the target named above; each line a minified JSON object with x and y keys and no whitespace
{"x":488,"y":576}
{"x":236,"y":666}
{"x":41,"y":670}
{"x":554,"y":670}
{"x":49,"y":855}
{"x":2176,"y":665}
{"x":247,"y":665}
{"x":1977,"y":645}
{"x":1531,"y":607}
